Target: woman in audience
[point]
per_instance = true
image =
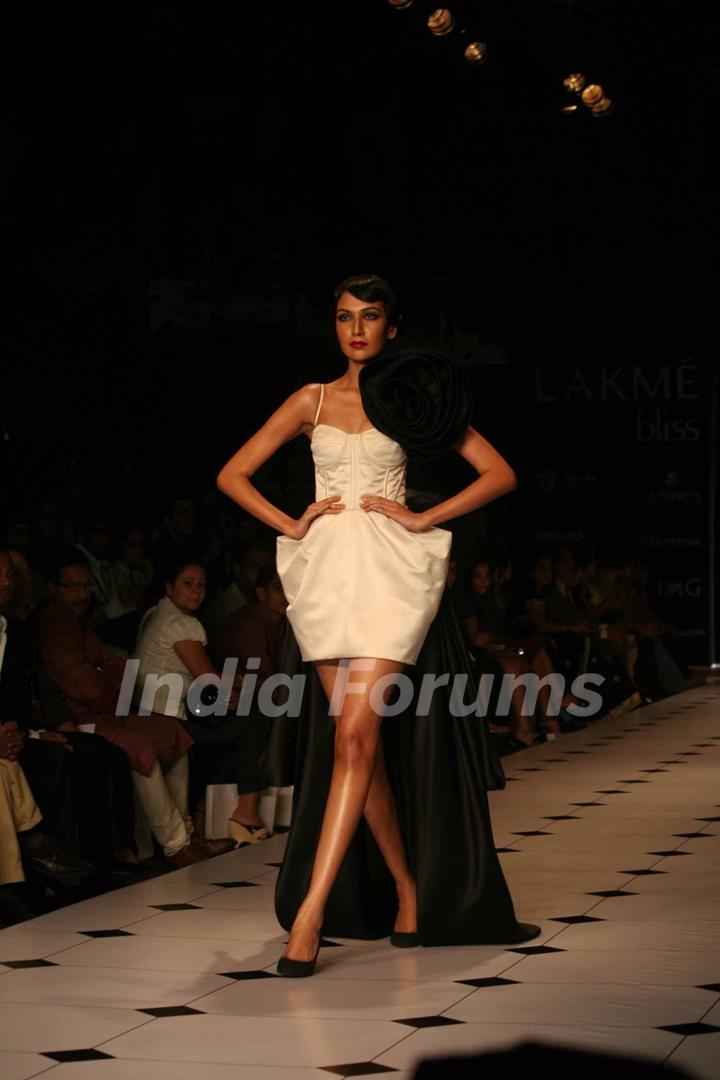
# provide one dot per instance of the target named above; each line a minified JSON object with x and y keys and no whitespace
{"x":172,"y":640}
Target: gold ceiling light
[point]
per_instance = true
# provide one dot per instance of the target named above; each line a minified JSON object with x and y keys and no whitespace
{"x":574,"y":83}
{"x":476,"y":52}
{"x":603,"y":107}
{"x":401,"y":4}
{"x":441,"y":22}
{"x":592,"y":94}
{"x":569,"y":108}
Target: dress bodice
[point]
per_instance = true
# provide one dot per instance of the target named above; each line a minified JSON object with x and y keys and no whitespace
{"x":353,"y":465}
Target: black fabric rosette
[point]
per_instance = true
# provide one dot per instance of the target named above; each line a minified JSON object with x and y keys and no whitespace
{"x":419,"y":398}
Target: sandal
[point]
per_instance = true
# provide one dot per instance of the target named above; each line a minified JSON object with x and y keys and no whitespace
{"x":247,"y":834}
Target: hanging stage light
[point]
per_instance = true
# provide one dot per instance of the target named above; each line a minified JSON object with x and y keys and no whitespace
{"x":574,"y":83}
{"x":401,"y":4}
{"x":476,"y":52}
{"x":603,"y":107}
{"x":592,"y":94}
{"x":569,"y":108}
{"x":441,"y":22}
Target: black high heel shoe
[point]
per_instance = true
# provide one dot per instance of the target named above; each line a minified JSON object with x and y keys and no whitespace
{"x":298,"y":969}
{"x":404,"y":939}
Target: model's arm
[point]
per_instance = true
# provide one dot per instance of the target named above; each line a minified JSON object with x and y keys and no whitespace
{"x":495,"y":478}
{"x":293,"y":416}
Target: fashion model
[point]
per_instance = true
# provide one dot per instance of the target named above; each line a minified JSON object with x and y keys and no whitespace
{"x":391,"y":831}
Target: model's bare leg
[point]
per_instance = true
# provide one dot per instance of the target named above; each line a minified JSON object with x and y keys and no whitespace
{"x":356,"y":737}
{"x":381,"y":815}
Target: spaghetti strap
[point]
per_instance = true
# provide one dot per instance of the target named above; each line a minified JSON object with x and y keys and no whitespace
{"x":319,"y":407}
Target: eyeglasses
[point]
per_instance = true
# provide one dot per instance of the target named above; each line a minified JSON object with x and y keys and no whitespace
{"x":75,"y":586}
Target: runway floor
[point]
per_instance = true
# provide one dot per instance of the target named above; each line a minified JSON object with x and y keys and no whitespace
{"x":610,"y":839}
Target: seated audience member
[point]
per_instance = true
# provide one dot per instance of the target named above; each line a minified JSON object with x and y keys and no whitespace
{"x":256,"y":631}
{"x":96,"y":545}
{"x":89,"y":677}
{"x":23,"y":600}
{"x":131,"y":575}
{"x":177,"y":530}
{"x":563,"y":619}
{"x":487,"y":626}
{"x":173,"y":641}
{"x":81,"y":782}
{"x":247,"y":560}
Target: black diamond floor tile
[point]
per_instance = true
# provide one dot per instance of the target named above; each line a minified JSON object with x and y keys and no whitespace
{"x":534,"y":832}
{"x":612,"y":892}
{"x":17,"y":964}
{"x":564,"y":817}
{"x":486,"y":983}
{"x":588,"y":804}
{"x":642,"y":873}
{"x":612,"y":791}
{"x":708,"y":819}
{"x":357,"y":1068}
{"x":77,"y":1055}
{"x":690,"y":1029}
{"x":172,"y":1010}
{"x":653,"y":770}
{"x":633,"y":781}
{"x":535,"y":950}
{"x":106,"y":933}
{"x":674,"y":761}
{"x":695,"y":835}
{"x":239,"y":976}
{"x":237,"y":884}
{"x":668,"y":854}
{"x":506,"y":850}
{"x":428,"y":1021}
{"x":273,"y":864}
{"x":571,"y":920}
{"x":176,"y":907}
{"x":689,"y":753}
{"x":715,"y":987}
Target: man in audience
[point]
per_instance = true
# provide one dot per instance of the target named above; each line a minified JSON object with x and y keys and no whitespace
{"x":80,"y":781}
{"x":89,"y":678}
{"x":248,"y":559}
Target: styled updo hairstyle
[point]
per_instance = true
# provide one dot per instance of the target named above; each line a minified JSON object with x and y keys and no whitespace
{"x":374,"y":290}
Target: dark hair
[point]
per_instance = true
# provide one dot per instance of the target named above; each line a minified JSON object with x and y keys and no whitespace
{"x":373,"y":289}
{"x":265,"y":575}
{"x":174,"y":567}
{"x":59,"y":558}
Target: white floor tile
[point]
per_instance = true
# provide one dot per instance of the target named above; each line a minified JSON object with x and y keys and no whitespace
{"x":699,"y":1055}
{"x":260,"y":1040}
{"x":21,"y":1066}
{"x":121,"y":989}
{"x":91,"y":916}
{"x":39,"y":1028}
{"x":675,"y":905}
{"x":258,"y":898}
{"x":126,"y":1069}
{"x":552,"y":1003}
{"x":160,"y":890}
{"x":173,"y":954}
{"x":205,"y":923}
{"x":324,"y":997}
{"x":19,"y":944}
{"x":641,"y":935}
{"x":476,"y":1038}
{"x":664,"y":967}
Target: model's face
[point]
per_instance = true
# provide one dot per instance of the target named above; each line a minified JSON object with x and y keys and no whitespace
{"x":362,"y":327}
{"x":187,"y":591}
{"x":7,"y":581}
{"x":481,"y":580}
{"x":74,"y":589}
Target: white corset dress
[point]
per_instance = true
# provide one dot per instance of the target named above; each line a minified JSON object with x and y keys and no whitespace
{"x":358,"y":583}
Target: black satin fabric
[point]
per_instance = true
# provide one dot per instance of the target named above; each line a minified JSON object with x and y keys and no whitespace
{"x":419,"y":398}
{"x":440,"y":768}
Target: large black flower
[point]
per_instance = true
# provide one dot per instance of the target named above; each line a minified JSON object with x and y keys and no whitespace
{"x":419,"y":398}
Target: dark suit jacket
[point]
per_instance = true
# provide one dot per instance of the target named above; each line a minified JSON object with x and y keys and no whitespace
{"x":26,"y":694}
